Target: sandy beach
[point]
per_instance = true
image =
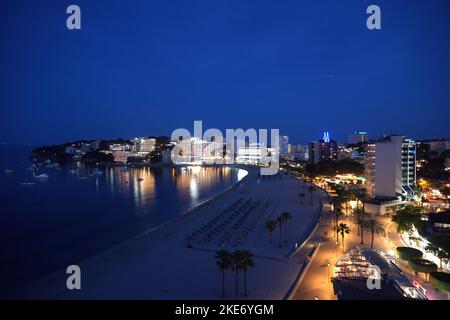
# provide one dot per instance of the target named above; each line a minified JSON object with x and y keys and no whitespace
{"x":159,"y":265}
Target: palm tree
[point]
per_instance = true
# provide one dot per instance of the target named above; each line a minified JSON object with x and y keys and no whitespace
{"x":434,"y":249}
{"x":246,"y":262}
{"x":374,"y":227}
{"x":270,"y":225}
{"x":301,"y":196}
{"x":346,"y":197}
{"x":337,"y":216}
{"x":286,"y":216}
{"x":236,"y":266}
{"x":406,"y":218}
{"x":280,"y":221}
{"x":336,"y":202}
{"x":223,"y":261}
{"x":444,"y":257}
{"x":342,"y":228}
{"x":360,"y":216}
{"x":362,"y":195}
{"x":311,"y":190}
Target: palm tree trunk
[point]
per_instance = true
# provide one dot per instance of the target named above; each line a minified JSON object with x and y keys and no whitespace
{"x":371,"y":244}
{"x":337,"y":232}
{"x":359,"y":227}
{"x":237,"y":284}
{"x":334,"y":225}
{"x":245,"y":282}
{"x":285,"y":232}
{"x":343,"y":244}
{"x":362,"y":235}
{"x":270,"y":236}
{"x":279,"y":239}
{"x":223,"y":282}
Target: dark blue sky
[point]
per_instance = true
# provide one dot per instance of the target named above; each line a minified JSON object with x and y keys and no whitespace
{"x":148,"y":67}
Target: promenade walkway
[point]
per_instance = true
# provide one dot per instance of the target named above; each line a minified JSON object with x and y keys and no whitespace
{"x":316,"y":282}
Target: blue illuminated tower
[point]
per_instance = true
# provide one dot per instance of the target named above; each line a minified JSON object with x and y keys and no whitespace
{"x":325,"y":149}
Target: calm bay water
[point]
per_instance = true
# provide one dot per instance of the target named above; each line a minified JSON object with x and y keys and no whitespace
{"x":68,"y":217}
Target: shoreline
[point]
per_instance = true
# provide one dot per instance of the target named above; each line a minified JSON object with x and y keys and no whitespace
{"x":175,"y":219}
{"x":250,"y":172}
{"x":157,"y":254}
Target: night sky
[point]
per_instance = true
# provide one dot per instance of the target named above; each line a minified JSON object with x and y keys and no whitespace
{"x":139,"y":68}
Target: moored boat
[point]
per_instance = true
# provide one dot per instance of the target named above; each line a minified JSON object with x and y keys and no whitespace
{"x":41,"y":176}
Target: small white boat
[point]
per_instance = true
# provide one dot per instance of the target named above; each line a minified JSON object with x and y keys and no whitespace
{"x":97,"y":172}
{"x":9,"y":171}
{"x":41,"y":176}
{"x":83,"y":178}
{"x":73,"y":171}
{"x":27,"y":183}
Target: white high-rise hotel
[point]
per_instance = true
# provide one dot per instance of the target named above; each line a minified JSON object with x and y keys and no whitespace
{"x":284,"y":145}
{"x":391,"y":167}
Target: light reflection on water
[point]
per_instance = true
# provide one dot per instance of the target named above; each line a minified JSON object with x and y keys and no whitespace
{"x":188,"y":181}
{"x":71,"y":216}
{"x":140,"y":184}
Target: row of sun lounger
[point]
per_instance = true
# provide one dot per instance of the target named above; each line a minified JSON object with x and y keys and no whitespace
{"x":217,"y":220}
{"x":241,"y":218}
{"x":245,"y":231}
{"x":232,"y":225}
{"x":225,"y":224}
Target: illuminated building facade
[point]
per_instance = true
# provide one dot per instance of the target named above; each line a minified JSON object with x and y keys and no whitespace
{"x":143,"y":146}
{"x":251,"y":154}
{"x":325,"y":149}
{"x":391,"y":167}
{"x":197,"y":151}
{"x":254,"y":154}
{"x":284,"y":145}
{"x":357,"y":137}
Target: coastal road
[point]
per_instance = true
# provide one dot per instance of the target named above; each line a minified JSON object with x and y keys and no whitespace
{"x":316,"y":282}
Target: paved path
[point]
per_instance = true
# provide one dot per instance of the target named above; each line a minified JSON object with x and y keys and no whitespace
{"x":315,"y":282}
